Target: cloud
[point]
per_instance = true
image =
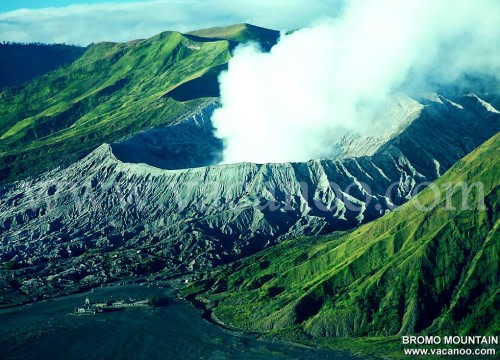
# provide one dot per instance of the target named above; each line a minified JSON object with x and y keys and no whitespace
{"x":83,"y":24}
{"x":292,"y":103}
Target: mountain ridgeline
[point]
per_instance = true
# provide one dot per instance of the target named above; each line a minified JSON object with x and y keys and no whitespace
{"x":110,"y":93}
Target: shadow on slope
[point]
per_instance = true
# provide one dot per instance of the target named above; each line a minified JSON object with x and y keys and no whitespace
{"x":207,"y":85}
{"x":186,"y":145}
{"x":20,"y":63}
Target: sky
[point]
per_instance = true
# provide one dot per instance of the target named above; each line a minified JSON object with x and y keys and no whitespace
{"x":9,"y":5}
{"x":82,"y":22}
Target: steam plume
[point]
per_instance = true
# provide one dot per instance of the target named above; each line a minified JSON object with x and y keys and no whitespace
{"x":291,"y":103}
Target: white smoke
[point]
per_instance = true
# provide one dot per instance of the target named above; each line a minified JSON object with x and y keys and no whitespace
{"x":289,"y":104}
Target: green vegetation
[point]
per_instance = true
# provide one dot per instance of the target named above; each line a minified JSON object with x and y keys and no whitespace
{"x":410,"y":272}
{"x":110,"y":93}
{"x":240,"y":33}
{"x":8,"y":265}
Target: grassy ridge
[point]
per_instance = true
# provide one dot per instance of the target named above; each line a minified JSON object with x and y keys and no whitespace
{"x":112,"y":92}
{"x":428,"y":272}
{"x":240,"y":33}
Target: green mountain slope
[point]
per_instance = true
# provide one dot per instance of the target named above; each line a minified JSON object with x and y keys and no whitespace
{"x":410,"y":272}
{"x":241,"y":33}
{"x":112,"y":92}
{"x":22,"y":62}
